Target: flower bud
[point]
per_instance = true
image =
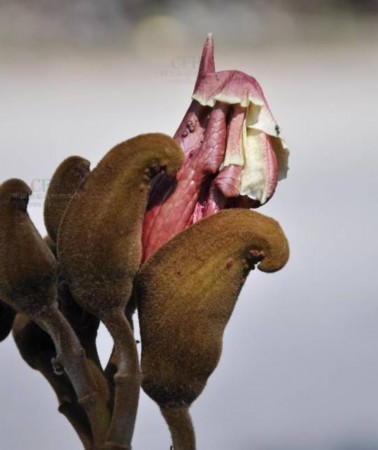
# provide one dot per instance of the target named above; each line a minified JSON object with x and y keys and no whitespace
{"x":186,"y":293}
{"x":28,"y":270}
{"x":234,"y":154}
{"x":99,"y":242}
{"x":67,"y":178}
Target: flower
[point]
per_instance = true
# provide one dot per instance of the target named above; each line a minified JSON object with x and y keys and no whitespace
{"x":234,"y":155}
{"x":182,"y":261}
{"x":197,"y":257}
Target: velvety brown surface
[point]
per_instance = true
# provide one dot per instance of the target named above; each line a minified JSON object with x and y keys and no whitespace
{"x":99,"y":242}
{"x":69,"y":175}
{"x":28,"y":270}
{"x":186,"y":294}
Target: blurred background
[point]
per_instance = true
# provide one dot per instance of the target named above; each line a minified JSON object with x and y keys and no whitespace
{"x":299,"y":369}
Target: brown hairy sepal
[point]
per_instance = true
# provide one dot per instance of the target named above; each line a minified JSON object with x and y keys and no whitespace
{"x":186,"y":293}
{"x":67,"y":178}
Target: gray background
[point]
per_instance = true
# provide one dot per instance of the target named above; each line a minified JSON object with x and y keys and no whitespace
{"x":299,"y":366}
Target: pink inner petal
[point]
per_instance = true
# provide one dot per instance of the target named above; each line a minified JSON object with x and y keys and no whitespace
{"x":228,"y":180}
{"x":216,"y":169}
{"x":173,"y":205}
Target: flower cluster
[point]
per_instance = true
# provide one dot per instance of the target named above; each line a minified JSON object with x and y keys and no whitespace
{"x":161,"y":225}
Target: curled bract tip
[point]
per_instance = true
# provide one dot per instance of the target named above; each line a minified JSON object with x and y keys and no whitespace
{"x":14,"y":189}
{"x":276,"y":252}
{"x":14,"y":195}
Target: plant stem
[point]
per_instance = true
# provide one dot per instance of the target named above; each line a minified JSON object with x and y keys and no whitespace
{"x":37,"y":349}
{"x":71,"y":356}
{"x":181,"y":427}
{"x":127,"y":381}
{"x":111,"y":367}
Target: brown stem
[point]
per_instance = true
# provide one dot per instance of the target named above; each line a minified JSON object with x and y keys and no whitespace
{"x":111,"y":367}
{"x":127,"y":381}
{"x":71,"y":357}
{"x":85,"y":327}
{"x":37,"y":350}
{"x":181,"y":427}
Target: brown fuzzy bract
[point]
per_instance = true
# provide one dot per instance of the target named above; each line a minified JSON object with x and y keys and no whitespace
{"x":186,"y":293}
{"x":67,"y":178}
{"x":99,"y":242}
{"x":28,"y":269}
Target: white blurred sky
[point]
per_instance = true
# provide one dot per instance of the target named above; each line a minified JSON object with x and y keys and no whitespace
{"x":299,"y":368}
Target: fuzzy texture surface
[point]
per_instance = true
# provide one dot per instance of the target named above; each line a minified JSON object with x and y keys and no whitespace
{"x":28,"y":270}
{"x":67,"y":178}
{"x":186,"y":293}
{"x":99,"y":242}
